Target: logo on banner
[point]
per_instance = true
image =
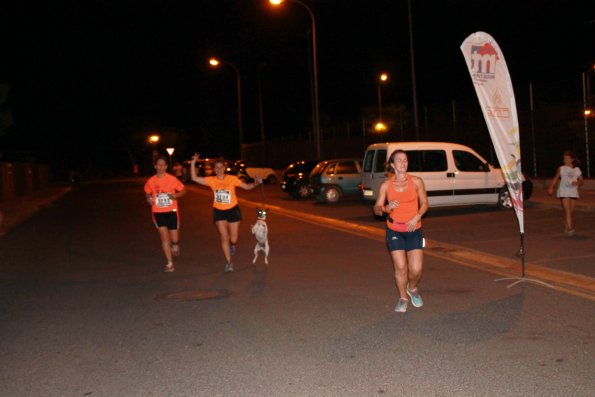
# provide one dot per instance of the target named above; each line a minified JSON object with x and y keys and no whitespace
{"x":483,"y":62}
{"x":498,"y":110}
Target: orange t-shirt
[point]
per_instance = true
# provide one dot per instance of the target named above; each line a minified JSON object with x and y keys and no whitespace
{"x":224,"y":191}
{"x":160,"y":188}
{"x":408,"y":205}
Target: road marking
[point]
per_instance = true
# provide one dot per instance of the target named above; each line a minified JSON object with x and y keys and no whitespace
{"x":571,"y":283}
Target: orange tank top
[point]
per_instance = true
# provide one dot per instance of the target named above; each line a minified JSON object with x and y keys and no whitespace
{"x":408,"y":205}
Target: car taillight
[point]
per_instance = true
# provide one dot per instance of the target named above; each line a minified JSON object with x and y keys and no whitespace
{"x":361,"y":187}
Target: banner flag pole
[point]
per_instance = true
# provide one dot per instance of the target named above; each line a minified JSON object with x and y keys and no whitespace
{"x":493,"y":86}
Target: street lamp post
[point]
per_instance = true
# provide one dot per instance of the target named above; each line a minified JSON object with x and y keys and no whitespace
{"x":587,"y":114}
{"x":315,"y":110}
{"x":214,"y":62}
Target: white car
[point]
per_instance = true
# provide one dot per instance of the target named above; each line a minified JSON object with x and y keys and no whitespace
{"x":247,"y":171}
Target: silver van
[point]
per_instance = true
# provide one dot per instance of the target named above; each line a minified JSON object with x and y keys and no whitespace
{"x":453,"y":174}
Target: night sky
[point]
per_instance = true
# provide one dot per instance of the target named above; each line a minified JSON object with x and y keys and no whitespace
{"x":91,"y":79}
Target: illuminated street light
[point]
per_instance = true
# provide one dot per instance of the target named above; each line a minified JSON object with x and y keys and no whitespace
{"x":380,"y":126}
{"x":154,"y":139}
{"x":214,"y":62}
{"x":315,"y":108}
{"x":588,"y":112}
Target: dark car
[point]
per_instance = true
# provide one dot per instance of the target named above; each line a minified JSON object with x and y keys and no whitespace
{"x":332,"y":179}
{"x":296,"y":178}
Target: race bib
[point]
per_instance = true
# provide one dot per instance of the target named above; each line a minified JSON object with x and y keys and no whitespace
{"x":223,"y":196}
{"x":163,"y":200}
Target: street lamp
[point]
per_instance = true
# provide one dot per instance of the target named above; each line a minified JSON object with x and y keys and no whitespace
{"x":380,"y":126}
{"x":153,"y":139}
{"x":315,"y":109}
{"x":214,"y":62}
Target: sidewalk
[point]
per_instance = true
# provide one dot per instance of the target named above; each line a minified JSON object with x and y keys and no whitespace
{"x":15,"y":212}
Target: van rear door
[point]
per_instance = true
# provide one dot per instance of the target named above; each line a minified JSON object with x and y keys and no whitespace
{"x":373,"y":173}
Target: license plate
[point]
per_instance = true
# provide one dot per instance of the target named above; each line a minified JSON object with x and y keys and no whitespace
{"x":368,"y":193}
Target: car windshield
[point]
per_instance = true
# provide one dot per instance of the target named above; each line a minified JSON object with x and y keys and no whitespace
{"x":319,"y":168}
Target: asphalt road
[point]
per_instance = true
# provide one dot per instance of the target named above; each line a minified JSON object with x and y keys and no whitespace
{"x":86,"y":310}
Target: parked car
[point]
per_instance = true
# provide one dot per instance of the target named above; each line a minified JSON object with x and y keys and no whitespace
{"x":248,"y":170}
{"x":296,"y":178}
{"x":204,"y":167}
{"x":453,"y":174}
{"x":332,"y":179}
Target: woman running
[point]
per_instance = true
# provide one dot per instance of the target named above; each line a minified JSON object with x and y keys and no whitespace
{"x":407,"y":203}
{"x":226,"y":211}
{"x":570,"y":177}
{"x":162,"y":191}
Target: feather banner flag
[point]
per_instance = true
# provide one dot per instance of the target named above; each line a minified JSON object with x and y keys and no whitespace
{"x":493,"y":86}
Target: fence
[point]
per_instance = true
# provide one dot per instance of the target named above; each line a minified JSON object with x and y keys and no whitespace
{"x":18,"y":179}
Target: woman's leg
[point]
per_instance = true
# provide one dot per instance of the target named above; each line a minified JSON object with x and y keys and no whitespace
{"x":165,"y":241}
{"x":234,"y":229}
{"x":415,"y":260}
{"x":222,"y":227}
{"x":568,"y":206}
{"x":174,"y":238}
{"x":400,"y":265}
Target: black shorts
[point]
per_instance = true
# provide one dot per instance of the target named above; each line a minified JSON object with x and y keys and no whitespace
{"x":406,"y":241}
{"x":231,"y":215}
{"x":170,"y":220}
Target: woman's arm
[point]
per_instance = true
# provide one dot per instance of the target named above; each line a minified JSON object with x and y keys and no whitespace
{"x":198,"y":179}
{"x":423,"y":204}
{"x":379,"y":205}
{"x":250,"y":186}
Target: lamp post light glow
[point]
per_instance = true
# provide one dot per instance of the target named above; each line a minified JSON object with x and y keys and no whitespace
{"x":315,"y":108}
{"x":380,"y":126}
{"x":154,"y":139}
{"x":214,"y":62}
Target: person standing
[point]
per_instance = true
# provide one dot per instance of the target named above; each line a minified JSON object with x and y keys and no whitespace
{"x":570,"y":178}
{"x":407,"y":203}
{"x":226,"y":211}
{"x":162,"y":191}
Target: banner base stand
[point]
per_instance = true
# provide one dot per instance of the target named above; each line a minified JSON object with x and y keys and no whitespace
{"x":519,"y":280}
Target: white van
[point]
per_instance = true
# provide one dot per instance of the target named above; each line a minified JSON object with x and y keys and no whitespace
{"x":453,"y":174}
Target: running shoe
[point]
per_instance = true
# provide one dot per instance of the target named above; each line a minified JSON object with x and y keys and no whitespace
{"x":169,"y":268}
{"x":401,"y":305}
{"x":232,"y":249}
{"x":416,"y":299}
{"x":228,"y":267}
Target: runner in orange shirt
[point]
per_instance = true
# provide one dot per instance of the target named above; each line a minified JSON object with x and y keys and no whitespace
{"x":162,"y":191}
{"x":226,"y":211}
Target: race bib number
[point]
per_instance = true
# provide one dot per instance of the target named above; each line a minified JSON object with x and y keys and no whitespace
{"x":223,"y":196}
{"x":163,"y":200}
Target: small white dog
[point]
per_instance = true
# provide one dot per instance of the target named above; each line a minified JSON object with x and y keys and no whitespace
{"x":260,"y":230}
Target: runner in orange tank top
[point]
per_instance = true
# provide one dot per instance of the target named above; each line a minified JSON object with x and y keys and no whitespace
{"x":407,"y":203}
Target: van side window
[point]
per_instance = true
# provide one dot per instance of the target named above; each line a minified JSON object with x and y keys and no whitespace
{"x":465,"y":161}
{"x":331,"y":169}
{"x":346,"y":167}
{"x":368,"y":161}
{"x":426,"y":160}
{"x":380,"y":161}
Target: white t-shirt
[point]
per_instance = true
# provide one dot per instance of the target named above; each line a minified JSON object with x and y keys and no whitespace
{"x":567,"y":176}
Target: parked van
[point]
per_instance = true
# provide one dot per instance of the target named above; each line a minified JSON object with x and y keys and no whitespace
{"x":453,"y":174}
